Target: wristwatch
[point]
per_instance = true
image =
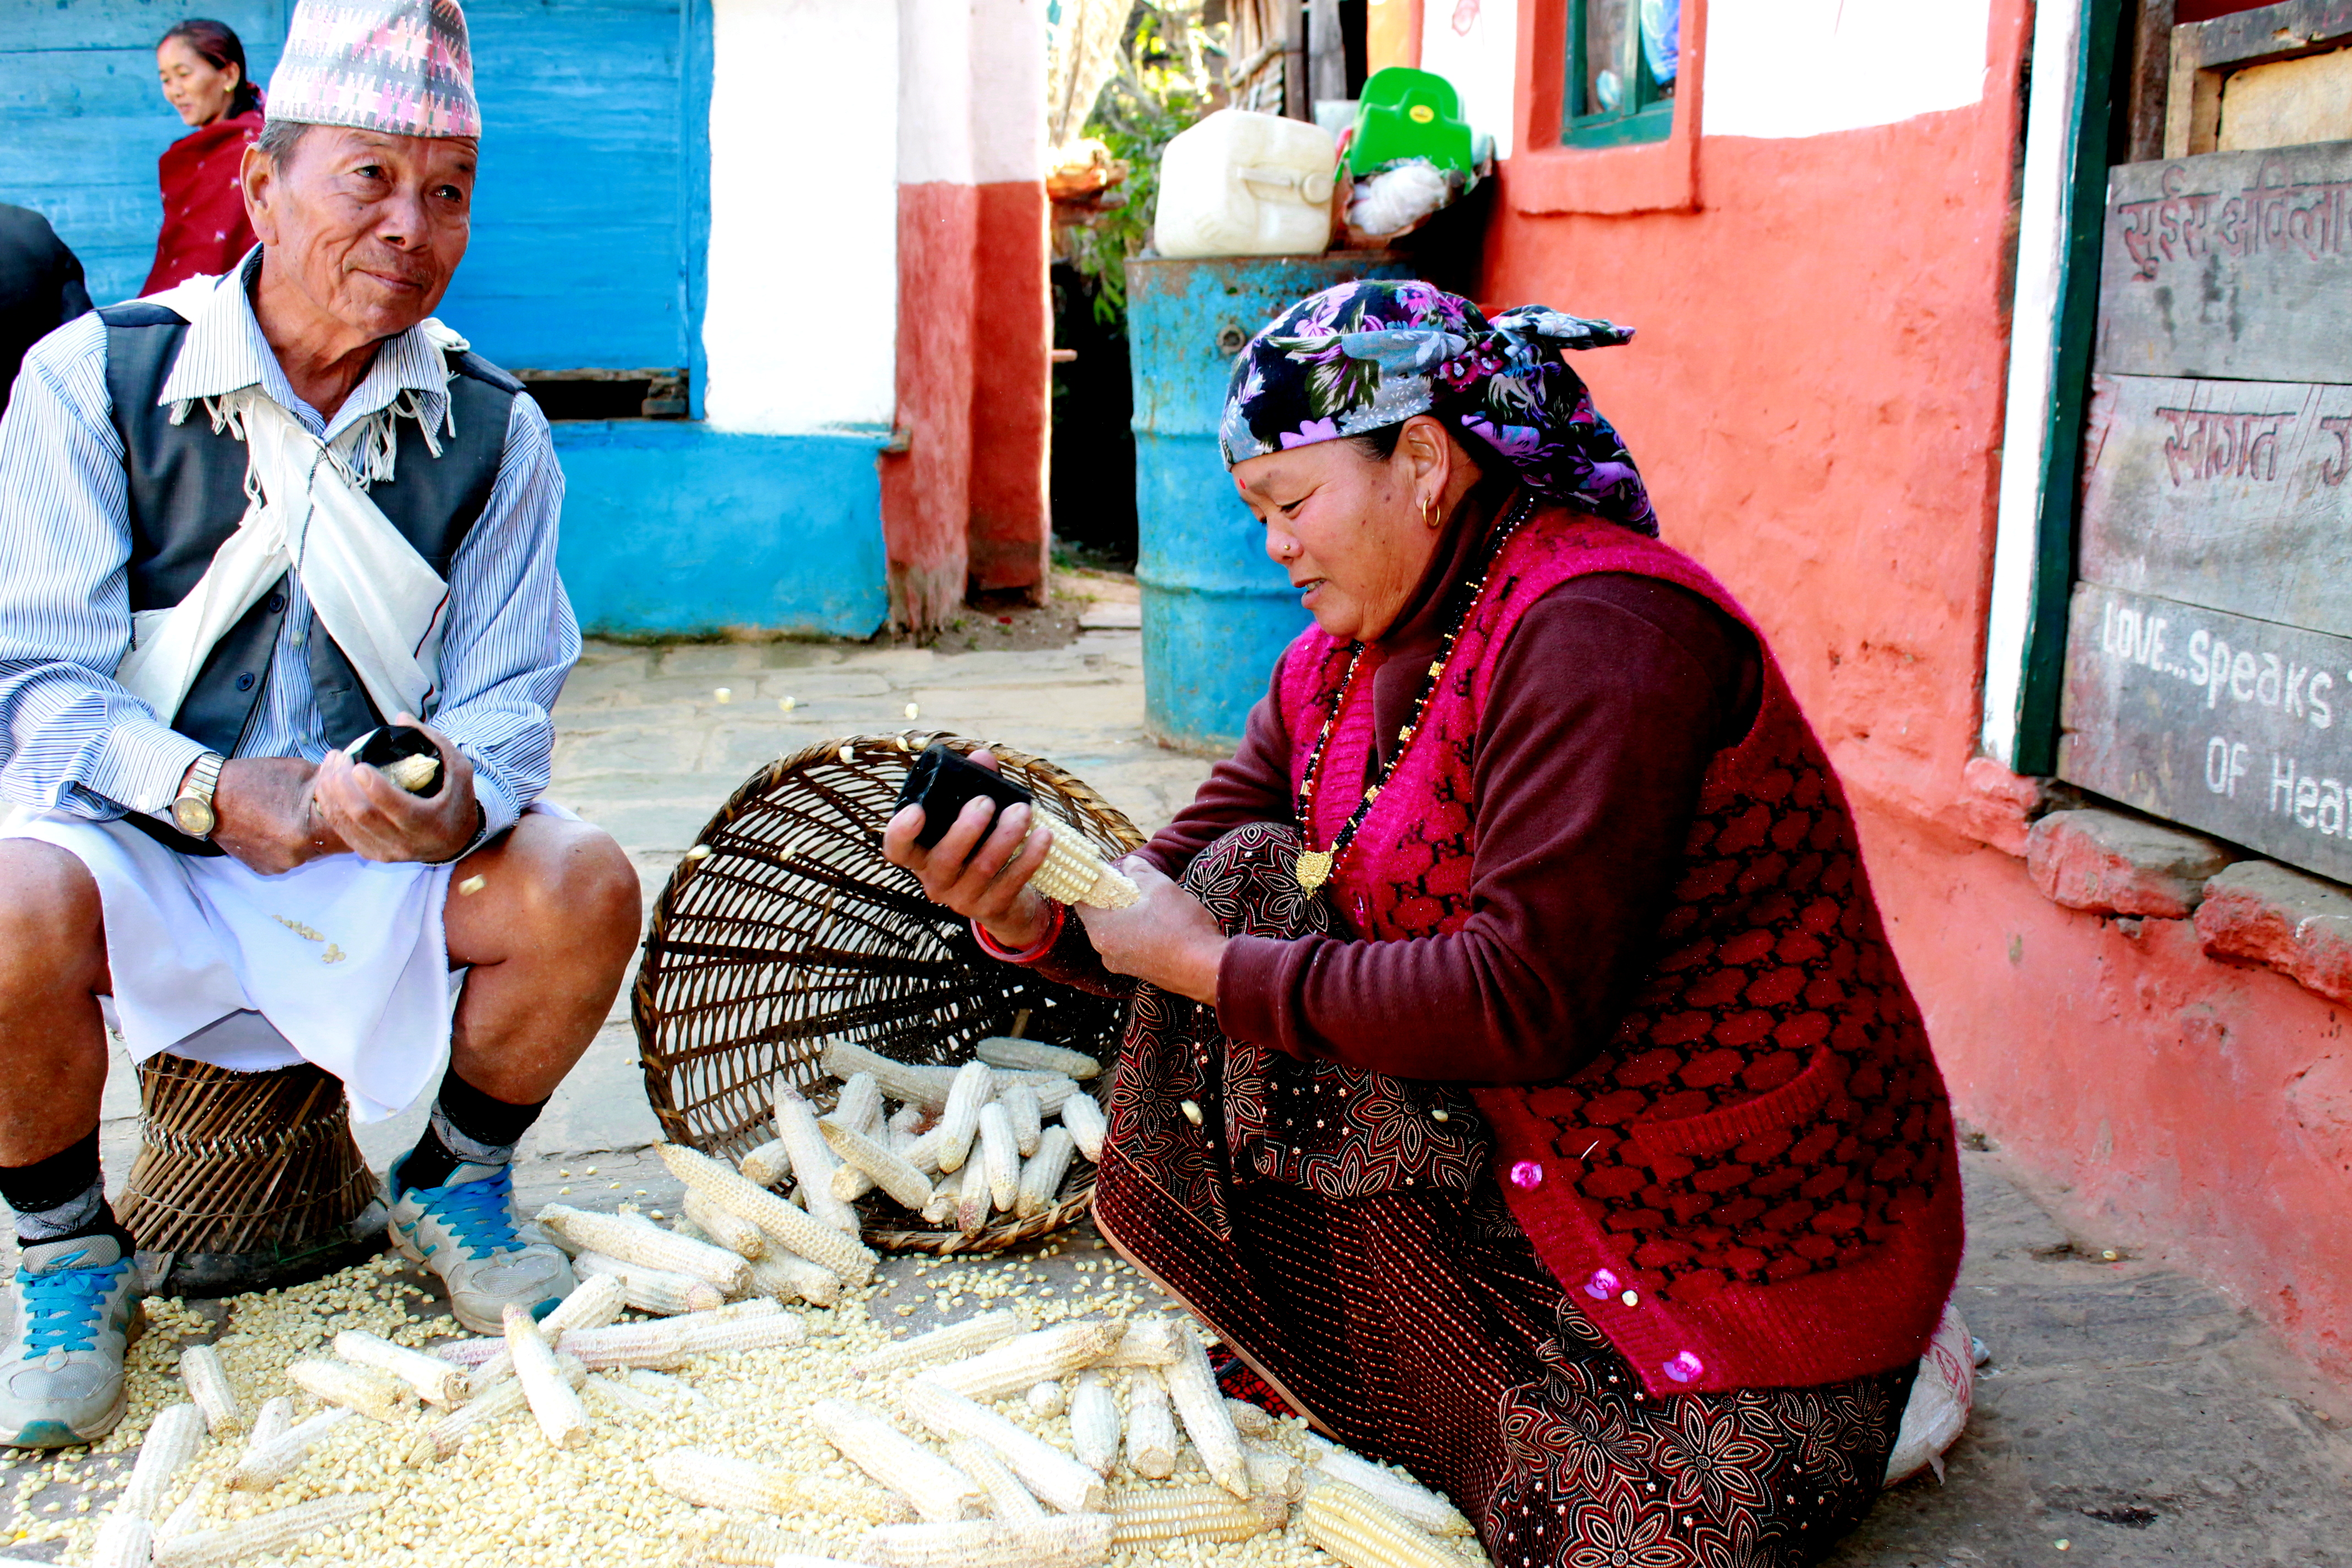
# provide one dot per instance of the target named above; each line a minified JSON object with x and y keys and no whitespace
{"x":194,"y":808}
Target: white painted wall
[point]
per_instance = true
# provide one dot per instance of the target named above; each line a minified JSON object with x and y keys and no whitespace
{"x":1803,"y":67}
{"x":972,"y":91}
{"x":801,"y":326}
{"x":1474,"y":45}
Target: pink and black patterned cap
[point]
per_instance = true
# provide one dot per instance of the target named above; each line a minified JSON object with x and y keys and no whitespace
{"x":402,"y":66}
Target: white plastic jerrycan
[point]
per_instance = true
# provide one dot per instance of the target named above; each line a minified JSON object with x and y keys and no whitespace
{"x":1240,"y":183}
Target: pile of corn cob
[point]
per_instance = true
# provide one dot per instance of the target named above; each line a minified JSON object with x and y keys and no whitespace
{"x":1060,"y":1443}
{"x":951,"y":1145}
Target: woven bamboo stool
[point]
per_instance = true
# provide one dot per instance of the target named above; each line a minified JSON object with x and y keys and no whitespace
{"x":246,"y":1181}
{"x":785,"y":929}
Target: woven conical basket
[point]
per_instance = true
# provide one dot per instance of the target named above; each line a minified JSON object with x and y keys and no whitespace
{"x":792,"y":930}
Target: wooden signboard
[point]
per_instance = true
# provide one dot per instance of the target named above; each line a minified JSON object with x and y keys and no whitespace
{"x":2230,"y":264}
{"x":2237,"y":727}
{"x":2208,"y":655}
{"x":2231,"y":494}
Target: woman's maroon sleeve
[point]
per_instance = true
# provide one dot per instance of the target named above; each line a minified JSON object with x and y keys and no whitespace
{"x":1607,"y":706}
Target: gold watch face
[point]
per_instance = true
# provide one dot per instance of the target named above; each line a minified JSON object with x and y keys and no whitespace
{"x":194,"y":815}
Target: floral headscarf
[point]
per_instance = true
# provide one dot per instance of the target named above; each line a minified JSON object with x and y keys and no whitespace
{"x":1358,"y":356}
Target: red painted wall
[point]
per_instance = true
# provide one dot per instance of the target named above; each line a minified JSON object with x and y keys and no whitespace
{"x":1816,"y":399}
{"x":965,"y":507}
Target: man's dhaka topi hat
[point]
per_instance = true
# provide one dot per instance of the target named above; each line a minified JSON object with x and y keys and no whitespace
{"x":402,"y":66}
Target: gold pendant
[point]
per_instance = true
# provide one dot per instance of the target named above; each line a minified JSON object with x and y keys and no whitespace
{"x":1314,"y":868}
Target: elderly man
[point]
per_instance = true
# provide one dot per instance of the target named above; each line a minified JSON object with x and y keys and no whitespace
{"x":242,"y":524}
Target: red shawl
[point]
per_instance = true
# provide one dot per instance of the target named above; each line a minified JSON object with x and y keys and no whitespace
{"x":205,"y":226}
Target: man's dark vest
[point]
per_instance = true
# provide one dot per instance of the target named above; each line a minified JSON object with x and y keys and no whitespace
{"x":186,"y":485}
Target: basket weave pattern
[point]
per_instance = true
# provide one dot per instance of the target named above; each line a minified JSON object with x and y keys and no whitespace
{"x":794,"y":931}
{"x":241,"y":1161}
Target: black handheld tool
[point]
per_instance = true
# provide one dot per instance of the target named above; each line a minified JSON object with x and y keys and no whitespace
{"x":941,"y":782}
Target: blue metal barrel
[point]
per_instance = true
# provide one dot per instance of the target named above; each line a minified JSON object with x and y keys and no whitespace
{"x":1216,"y":612}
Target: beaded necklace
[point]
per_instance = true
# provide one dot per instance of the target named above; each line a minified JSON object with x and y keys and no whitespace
{"x":1315,"y":866}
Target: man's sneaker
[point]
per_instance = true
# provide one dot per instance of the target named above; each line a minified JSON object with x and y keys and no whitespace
{"x":466,"y":1231}
{"x":62,"y":1368}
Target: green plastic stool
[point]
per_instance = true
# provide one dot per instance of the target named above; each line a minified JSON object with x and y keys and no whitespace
{"x":1408,"y":113}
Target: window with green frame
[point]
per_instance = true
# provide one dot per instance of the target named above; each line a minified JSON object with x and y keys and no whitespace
{"x":1623,"y":58}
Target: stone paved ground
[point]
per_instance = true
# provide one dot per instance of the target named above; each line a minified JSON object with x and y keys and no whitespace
{"x":2129,"y":1415}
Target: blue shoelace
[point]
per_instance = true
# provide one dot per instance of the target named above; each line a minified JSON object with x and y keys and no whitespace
{"x":65,"y":1308}
{"x":480,"y":1212}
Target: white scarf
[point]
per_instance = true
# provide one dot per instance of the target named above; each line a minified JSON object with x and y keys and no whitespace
{"x":306,"y":509}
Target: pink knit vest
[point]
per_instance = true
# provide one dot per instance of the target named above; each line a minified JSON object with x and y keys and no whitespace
{"x":1756,"y":1183}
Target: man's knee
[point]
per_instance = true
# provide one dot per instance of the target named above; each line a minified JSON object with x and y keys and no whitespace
{"x":576,"y":880}
{"x":52,"y":927}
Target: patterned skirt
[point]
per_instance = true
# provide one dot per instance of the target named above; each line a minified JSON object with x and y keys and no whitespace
{"x":1340,"y":1233}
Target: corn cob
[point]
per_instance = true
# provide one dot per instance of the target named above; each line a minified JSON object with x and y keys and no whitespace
{"x":940,"y":1207}
{"x":1418,"y":1505}
{"x":859,"y":1105}
{"x":795,"y":1230}
{"x":1361,"y":1531}
{"x":769,"y":1164}
{"x":714,"y":1481}
{"x":732,"y":1231}
{"x":813,"y":1160}
{"x":926,"y":1087}
{"x":630,"y":1239}
{"x":435,"y":1381}
{"x":1095,"y":1423}
{"x":1046,"y":1398}
{"x":124,"y":1540}
{"x":562,"y":1419}
{"x":936,"y":1490}
{"x":1150,"y":1426}
{"x":657,"y":1291}
{"x":973,"y":1087}
{"x":1272,"y":1470}
{"x":1075,"y":1541}
{"x":1035,"y":1055}
{"x":660,"y":1346}
{"x":1251,"y":1420}
{"x":1007,"y":1498}
{"x":789,"y":1277}
{"x":1041,"y":1177}
{"x":958,"y":1340}
{"x":1193,"y":1513}
{"x":972,"y":1196}
{"x":889,"y":1171}
{"x":905,"y":1125}
{"x":371,"y":1394}
{"x":264,"y":1531}
{"x":174,"y":1438}
{"x":207,"y":1385}
{"x":264,"y":1464}
{"x":1020,"y":1103}
{"x":185,"y":1516}
{"x":1202,"y":1404}
{"x":473,"y":1354}
{"x":752,"y":1543}
{"x":620,"y":1396}
{"x":1003,"y":1158}
{"x":270,"y":1423}
{"x":1149,"y":1341}
{"x":1083,"y":1118}
{"x":725,"y":1336}
{"x":1052,"y":1475}
{"x":1012,"y":1366}
{"x":1076,"y":873}
{"x":446,"y":1436}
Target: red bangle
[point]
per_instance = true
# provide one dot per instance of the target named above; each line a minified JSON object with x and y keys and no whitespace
{"x":994,"y":948}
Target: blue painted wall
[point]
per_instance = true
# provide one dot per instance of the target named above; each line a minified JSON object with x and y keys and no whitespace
{"x":671,"y":527}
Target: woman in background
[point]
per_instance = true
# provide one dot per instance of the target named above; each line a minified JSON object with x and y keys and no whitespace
{"x":201,"y":66}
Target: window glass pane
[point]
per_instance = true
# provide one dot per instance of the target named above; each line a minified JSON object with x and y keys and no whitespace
{"x":1606,"y":89}
{"x":1662,"y":28}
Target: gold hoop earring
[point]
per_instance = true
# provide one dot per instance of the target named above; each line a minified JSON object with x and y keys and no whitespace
{"x":1429,"y":510}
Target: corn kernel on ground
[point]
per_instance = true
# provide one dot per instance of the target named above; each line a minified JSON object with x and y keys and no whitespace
{"x":509,"y":1500}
